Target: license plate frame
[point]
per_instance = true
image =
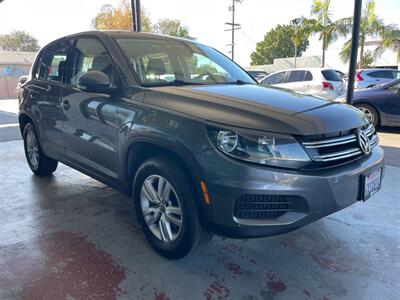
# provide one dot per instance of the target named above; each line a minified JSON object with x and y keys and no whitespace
{"x":371,"y":183}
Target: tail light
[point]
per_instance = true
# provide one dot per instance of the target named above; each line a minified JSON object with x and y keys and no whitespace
{"x":358,"y":76}
{"x":327,"y":85}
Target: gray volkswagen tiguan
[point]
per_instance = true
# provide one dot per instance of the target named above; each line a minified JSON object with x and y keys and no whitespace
{"x":199,"y":146}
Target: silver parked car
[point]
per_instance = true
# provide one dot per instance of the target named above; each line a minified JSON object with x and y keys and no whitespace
{"x":321,"y":82}
{"x":367,"y":78}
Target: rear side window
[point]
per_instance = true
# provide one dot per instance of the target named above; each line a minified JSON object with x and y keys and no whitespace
{"x":53,"y":62}
{"x":396,"y":74}
{"x":308,"y":76}
{"x":331,"y":75}
{"x":381,"y":74}
{"x":296,"y":76}
{"x":275,"y":78}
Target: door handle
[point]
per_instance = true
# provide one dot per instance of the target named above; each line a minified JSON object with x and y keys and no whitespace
{"x":66,"y":105}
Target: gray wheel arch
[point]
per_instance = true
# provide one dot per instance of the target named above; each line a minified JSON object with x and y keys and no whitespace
{"x":140,"y":148}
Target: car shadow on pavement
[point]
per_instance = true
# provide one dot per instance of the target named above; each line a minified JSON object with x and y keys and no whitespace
{"x":387,"y":129}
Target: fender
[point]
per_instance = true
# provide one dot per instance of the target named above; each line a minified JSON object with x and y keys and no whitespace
{"x":173,"y":146}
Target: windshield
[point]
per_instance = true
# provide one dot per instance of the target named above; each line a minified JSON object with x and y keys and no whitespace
{"x":159,"y":62}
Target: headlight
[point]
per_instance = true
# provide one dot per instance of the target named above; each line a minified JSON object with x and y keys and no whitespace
{"x":341,"y":100}
{"x":272,"y":149}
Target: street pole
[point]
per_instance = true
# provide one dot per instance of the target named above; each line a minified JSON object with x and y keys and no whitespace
{"x":354,"y":50}
{"x":136,"y":20}
{"x":296,"y":23}
{"x":233,"y":29}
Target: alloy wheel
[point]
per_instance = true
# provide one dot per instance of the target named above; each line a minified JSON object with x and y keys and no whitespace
{"x":368,"y":113}
{"x":32,"y":149}
{"x":161,"y":208}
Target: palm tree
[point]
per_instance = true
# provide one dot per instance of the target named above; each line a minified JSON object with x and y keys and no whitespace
{"x":323,"y":25}
{"x":370,"y":25}
{"x":391,"y":40}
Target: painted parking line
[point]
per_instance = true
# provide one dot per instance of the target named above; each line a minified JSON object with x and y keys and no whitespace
{"x":9,"y":125}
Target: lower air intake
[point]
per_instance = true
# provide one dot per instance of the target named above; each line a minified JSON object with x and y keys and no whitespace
{"x":262,"y":207}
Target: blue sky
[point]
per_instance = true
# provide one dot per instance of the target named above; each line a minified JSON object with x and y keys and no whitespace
{"x":50,"y":19}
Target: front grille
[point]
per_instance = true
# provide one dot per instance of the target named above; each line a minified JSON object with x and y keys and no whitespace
{"x":261,"y":207}
{"x":340,"y":148}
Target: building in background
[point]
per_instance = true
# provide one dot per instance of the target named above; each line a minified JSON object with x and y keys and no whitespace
{"x":12,"y":66}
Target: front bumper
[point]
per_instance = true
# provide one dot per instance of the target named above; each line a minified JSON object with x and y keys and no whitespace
{"x":322,"y":192}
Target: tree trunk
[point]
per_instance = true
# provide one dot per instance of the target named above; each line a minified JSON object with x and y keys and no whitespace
{"x":362,"y":51}
{"x":323,"y":53}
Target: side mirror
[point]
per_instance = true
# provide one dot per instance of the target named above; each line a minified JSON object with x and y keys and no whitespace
{"x":96,"y":82}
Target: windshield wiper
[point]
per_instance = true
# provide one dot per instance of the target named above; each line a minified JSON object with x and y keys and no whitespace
{"x":237,"y":82}
{"x":176,"y":82}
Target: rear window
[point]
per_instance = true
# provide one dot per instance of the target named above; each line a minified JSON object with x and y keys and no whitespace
{"x":331,"y":75}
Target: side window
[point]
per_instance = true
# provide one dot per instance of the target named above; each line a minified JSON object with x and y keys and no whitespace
{"x":91,"y":55}
{"x":396,"y":74}
{"x":275,"y":79}
{"x":296,"y":76}
{"x":381,"y":74}
{"x":53,"y":62}
{"x":308,"y":76}
{"x":394,"y":87}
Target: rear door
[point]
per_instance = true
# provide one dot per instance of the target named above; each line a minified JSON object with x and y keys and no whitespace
{"x":90,"y":128}
{"x":44,"y":91}
{"x":296,"y":81}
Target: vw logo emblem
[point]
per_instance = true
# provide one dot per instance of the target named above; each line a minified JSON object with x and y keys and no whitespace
{"x":363,"y":140}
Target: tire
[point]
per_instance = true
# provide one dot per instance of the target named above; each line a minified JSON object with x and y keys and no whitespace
{"x":370,"y":111}
{"x":39,"y":163}
{"x":180,"y":240}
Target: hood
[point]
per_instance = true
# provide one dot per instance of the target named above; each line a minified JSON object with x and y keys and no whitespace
{"x":258,"y":107}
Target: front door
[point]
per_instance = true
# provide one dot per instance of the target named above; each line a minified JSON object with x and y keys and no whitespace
{"x":89,"y":128}
{"x":393,"y":105}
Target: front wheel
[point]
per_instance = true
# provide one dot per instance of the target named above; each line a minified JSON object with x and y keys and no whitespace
{"x":39,"y":163}
{"x":370,"y":112}
{"x":166,"y":209}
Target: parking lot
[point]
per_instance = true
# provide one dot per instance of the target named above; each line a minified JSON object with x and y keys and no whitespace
{"x":71,"y":237}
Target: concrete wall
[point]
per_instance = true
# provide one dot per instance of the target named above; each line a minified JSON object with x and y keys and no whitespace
{"x":288,"y":63}
{"x":9,"y":74}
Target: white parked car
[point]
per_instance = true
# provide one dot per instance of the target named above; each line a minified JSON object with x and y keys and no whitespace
{"x":321,"y":82}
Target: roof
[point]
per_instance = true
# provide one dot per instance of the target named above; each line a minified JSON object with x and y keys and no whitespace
{"x":16,"y":57}
{"x":127,"y":33}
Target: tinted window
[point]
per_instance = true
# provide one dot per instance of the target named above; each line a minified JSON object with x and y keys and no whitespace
{"x":91,"y":55}
{"x":394,"y":87}
{"x":331,"y":75}
{"x":381,"y":74}
{"x":296,"y":76}
{"x":166,"y":61}
{"x":53,"y":63}
{"x":308,"y":76}
{"x":275,"y":78}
